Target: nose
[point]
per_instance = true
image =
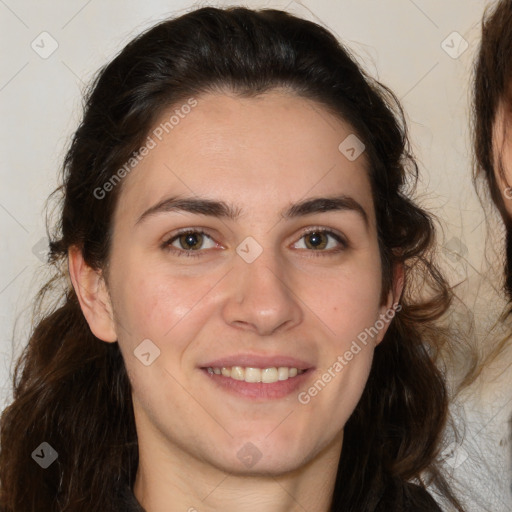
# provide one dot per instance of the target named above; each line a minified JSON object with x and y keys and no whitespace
{"x":261,"y":296}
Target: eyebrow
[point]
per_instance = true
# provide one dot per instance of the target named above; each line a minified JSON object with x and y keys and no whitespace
{"x":221,"y":209}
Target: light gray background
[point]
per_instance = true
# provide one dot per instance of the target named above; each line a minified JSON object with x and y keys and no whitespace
{"x":399,"y":41}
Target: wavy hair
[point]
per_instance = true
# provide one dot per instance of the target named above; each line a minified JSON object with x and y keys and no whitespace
{"x":72,"y":390}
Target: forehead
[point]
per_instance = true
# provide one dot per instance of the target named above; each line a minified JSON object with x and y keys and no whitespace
{"x":276,"y":146}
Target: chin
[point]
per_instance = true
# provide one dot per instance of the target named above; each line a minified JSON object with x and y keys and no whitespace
{"x":265,"y":465}
{"x":254,"y":457}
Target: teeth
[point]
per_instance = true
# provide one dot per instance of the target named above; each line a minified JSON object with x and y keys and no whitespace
{"x":252,"y":375}
{"x":283,"y":373}
{"x":265,"y":375}
{"x":269,"y":375}
{"x":237,"y":373}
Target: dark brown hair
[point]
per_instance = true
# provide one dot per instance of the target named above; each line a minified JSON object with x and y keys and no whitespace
{"x":493,"y":81}
{"x":71,"y":389}
{"x":492,"y":90}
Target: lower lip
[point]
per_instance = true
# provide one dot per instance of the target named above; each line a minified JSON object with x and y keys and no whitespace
{"x":259,"y":390}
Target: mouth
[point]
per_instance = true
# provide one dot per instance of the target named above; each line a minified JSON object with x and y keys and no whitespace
{"x":258,"y":379}
{"x":249,"y":374}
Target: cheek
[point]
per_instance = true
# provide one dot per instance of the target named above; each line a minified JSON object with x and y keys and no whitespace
{"x":146,"y":307}
{"x":165,"y":309}
{"x":160,"y":305}
{"x":348,"y":301}
{"x":349,"y":305}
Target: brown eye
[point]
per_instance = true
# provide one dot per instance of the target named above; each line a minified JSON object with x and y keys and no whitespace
{"x":188,"y":243}
{"x":191,"y":240}
{"x":317,"y":240}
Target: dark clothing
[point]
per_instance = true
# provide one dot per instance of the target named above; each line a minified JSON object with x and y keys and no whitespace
{"x":128,"y":502}
{"x":411,"y":495}
{"x":407,"y":497}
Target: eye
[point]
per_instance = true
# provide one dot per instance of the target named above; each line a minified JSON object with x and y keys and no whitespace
{"x":317,"y":239}
{"x":189,"y":242}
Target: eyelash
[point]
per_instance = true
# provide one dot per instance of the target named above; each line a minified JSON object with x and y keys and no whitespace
{"x":197,"y":253}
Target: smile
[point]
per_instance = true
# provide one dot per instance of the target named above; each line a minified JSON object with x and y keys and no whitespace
{"x":254,"y":375}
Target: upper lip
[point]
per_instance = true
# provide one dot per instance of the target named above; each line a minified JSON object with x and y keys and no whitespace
{"x":258,"y":361}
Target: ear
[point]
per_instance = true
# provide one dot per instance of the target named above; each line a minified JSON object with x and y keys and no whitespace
{"x":92,"y":293}
{"x":504,"y":188}
{"x":500,"y":158}
{"x":501,"y":153}
{"x":388,"y":309}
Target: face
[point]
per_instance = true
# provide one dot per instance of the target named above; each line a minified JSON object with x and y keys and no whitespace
{"x":260,"y":284}
{"x":502,"y":150}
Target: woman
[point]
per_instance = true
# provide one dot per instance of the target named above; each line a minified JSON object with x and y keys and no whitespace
{"x":242,"y":327}
{"x":492,"y":100}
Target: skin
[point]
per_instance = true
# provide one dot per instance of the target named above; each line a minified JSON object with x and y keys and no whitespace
{"x":261,"y":154}
{"x":502,"y":150}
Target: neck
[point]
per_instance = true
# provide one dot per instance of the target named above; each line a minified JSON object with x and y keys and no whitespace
{"x":171,"y":480}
